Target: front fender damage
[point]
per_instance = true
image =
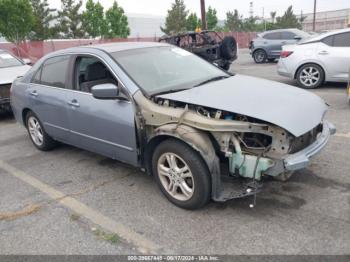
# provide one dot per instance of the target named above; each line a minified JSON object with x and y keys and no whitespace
{"x":233,"y":139}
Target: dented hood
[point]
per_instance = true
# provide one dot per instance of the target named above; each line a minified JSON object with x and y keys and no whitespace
{"x":296,"y":110}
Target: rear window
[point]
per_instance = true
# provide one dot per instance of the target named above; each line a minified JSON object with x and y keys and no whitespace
{"x":342,"y":40}
{"x":8,"y":60}
{"x":288,"y":35}
{"x":273,"y":36}
{"x":53,"y":72}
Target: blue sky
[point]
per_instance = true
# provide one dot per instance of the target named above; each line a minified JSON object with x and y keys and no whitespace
{"x":159,"y":7}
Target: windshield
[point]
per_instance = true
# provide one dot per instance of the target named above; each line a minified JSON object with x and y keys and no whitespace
{"x":7,"y":60}
{"x":166,"y":69}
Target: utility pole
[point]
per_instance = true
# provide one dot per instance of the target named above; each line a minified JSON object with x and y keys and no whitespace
{"x":314,"y":20}
{"x":203,"y":12}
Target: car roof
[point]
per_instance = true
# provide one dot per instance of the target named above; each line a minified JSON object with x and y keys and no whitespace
{"x":281,"y":30}
{"x":321,"y":36}
{"x":124,"y":46}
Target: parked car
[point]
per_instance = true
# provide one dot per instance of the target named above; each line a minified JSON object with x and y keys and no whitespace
{"x":323,"y":58}
{"x":207,"y":44}
{"x":11,"y":67}
{"x":268,"y":45}
{"x":348,"y":89}
{"x":201,"y":132}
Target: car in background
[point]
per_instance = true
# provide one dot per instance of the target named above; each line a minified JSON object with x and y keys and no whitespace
{"x":322,"y":58}
{"x":202,"y":132}
{"x":268,"y":45}
{"x":348,"y":89}
{"x":208,"y":45}
{"x":11,"y":67}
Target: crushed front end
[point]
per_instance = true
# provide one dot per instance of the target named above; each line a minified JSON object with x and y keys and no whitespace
{"x":239,"y":150}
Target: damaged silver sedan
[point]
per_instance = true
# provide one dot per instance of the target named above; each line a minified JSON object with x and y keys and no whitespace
{"x":201,"y":132}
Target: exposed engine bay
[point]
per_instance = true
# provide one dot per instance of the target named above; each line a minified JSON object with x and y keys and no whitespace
{"x":251,"y":148}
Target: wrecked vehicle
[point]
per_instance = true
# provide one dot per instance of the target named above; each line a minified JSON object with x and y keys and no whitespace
{"x":207,"y":44}
{"x":201,"y":132}
{"x":10,"y":68}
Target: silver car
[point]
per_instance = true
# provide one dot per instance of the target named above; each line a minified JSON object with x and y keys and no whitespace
{"x":268,"y":45}
{"x":11,"y":67}
{"x":201,"y":132}
{"x":319,"y":59}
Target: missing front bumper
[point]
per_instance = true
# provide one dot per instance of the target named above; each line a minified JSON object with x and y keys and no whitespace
{"x":302,"y":158}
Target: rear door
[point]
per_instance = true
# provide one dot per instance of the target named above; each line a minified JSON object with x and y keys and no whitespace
{"x":47,"y":95}
{"x":334,"y":52}
{"x":288,"y":38}
{"x":106,"y":127}
{"x":273,"y":44}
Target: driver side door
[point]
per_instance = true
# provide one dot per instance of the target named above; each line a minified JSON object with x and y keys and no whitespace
{"x":105,"y":127}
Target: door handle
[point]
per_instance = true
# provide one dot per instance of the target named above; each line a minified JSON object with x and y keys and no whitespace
{"x":323,"y":53}
{"x":74,"y":103}
{"x":34,"y":93}
{"x":284,"y":42}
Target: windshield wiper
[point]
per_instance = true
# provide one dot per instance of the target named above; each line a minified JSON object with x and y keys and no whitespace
{"x":216,"y":78}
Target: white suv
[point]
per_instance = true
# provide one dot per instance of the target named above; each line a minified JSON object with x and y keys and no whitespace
{"x":322,"y":58}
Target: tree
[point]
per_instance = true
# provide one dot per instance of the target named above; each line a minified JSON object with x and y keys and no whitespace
{"x":93,"y":19}
{"x":70,"y":19}
{"x":193,"y":22}
{"x":176,"y":21}
{"x":42,"y":19}
{"x":233,"y":21}
{"x":16,"y":20}
{"x":288,"y":20}
{"x":212,"y":19}
{"x":116,"y":22}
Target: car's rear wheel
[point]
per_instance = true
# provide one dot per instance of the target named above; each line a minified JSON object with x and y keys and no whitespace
{"x":310,"y":76}
{"x":181,"y":174}
{"x":37,"y":134}
{"x":259,"y":56}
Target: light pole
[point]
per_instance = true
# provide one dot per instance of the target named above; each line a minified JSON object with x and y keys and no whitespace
{"x":314,"y":20}
{"x":204,"y":20}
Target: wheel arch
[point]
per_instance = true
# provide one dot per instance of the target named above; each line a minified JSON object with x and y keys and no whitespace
{"x":200,"y":141}
{"x":25,"y":111}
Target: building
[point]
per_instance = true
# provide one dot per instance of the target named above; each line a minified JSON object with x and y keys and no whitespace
{"x":328,"y":20}
{"x":145,"y":25}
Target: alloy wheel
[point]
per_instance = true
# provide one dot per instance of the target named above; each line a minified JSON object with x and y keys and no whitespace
{"x":175,"y":176}
{"x":310,"y":76}
{"x":35,"y":131}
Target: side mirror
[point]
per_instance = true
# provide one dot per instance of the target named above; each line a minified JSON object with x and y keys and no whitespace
{"x":105,"y":91}
{"x":27,"y":61}
{"x":297,"y":37}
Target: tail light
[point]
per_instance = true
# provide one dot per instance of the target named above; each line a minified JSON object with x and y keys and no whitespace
{"x":285,"y":54}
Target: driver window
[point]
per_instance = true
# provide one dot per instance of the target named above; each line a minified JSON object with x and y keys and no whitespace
{"x":90,"y":71}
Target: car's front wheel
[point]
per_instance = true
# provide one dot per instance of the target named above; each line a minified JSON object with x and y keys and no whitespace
{"x":310,"y":76}
{"x":259,"y":56}
{"x":181,"y":174}
{"x":37,"y":134}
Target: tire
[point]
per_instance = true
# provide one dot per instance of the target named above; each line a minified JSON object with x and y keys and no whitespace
{"x":228,"y":48}
{"x":284,"y":176}
{"x":259,"y":56}
{"x":37,"y":134}
{"x":310,"y":76}
{"x":197,"y":189}
{"x":226,"y":66}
